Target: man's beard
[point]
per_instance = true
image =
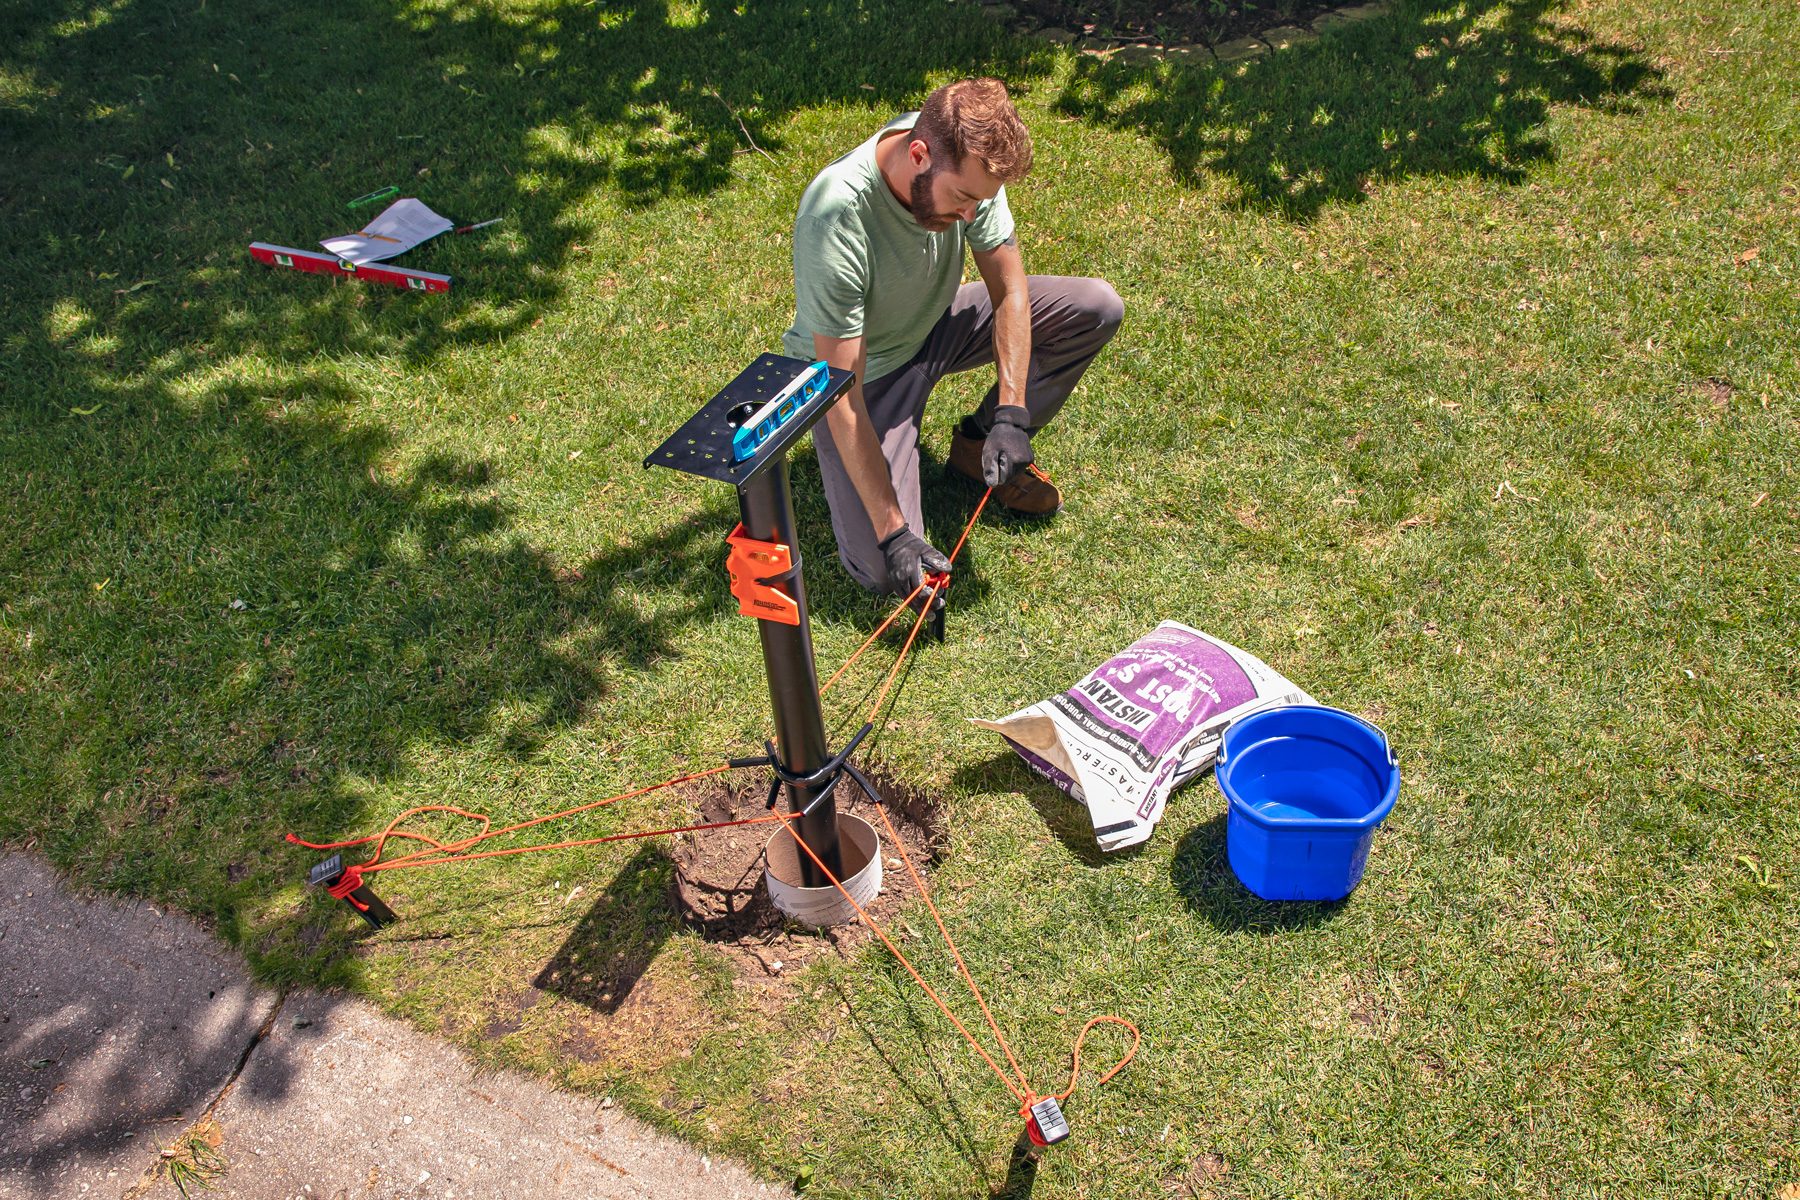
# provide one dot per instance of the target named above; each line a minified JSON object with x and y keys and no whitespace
{"x":933,"y":222}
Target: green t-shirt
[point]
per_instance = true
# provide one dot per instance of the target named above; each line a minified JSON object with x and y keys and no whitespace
{"x":863,"y":266}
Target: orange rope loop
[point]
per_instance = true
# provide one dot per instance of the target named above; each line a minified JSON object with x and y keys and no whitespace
{"x":1075,"y":1066}
{"x":453,"y":851}
{"x":392,"y":832}
{"x":770,"y":818}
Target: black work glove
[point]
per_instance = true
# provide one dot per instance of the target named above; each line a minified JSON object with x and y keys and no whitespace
{"x":909,"y":559}
{"x":1008,"y":445}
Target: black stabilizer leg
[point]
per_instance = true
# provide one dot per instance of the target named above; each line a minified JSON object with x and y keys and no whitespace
{"x":940,"y":585}
{"x":330,"y":876}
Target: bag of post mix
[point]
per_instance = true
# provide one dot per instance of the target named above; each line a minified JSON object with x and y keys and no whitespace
{"x":1141,"y":724}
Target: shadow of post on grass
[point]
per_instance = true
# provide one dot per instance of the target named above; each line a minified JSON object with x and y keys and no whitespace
{"x":617,"y":939}
{"x":1454,"y":91}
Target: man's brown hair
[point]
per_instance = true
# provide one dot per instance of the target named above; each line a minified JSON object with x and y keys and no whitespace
{"x":975,"y":116}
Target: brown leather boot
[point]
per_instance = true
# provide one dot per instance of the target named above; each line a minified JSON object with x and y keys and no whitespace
{"x":1029,"y":492}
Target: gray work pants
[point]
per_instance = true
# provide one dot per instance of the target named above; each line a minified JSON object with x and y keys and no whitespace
{"x":1071,"y":319}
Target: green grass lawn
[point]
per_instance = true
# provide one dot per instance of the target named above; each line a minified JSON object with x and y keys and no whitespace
{"x":1458,"y":381}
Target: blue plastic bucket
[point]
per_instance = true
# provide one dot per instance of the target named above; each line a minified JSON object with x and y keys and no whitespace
{"x":1305,"y":788}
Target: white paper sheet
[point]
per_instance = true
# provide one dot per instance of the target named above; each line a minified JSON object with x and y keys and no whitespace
{"x":401,"y":226}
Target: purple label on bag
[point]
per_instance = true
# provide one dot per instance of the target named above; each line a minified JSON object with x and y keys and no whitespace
{"x":1042,"y":767}
{"x":1146,"y":698}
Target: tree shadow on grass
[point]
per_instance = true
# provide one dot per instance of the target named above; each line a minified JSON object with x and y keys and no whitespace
{"x":242,"y":618}
{"x":147,"y":146}
{"x":226,"y":613}
{"x":1203,"y":879}
{"x":1419,"y":91}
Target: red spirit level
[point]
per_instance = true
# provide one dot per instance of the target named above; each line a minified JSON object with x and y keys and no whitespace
{"x":317,"y":262}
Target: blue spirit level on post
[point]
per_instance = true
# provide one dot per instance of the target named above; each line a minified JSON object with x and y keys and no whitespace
{"x":755,"y":429}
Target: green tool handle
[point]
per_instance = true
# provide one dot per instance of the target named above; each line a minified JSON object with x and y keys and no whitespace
{"x":372,"y":197}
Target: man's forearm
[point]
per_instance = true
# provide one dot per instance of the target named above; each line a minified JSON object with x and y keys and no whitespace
{"x":1012,"y":344}
{"x":1003,"y":271}
{"x":857,"y":443}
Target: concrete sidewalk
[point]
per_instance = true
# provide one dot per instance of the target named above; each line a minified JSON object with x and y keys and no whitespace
{"x":124,"y":1029}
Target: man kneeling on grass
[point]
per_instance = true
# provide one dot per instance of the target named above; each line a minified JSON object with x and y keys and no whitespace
{"x":878,"y":260}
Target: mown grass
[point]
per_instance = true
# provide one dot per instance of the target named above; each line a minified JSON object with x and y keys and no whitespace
{"x":1458,"y":381}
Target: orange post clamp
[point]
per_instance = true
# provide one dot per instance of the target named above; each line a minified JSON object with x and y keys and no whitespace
{"x":756,"y":568}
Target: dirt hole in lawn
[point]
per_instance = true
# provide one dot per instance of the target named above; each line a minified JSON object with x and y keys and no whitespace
{"x":637,"y":1003}
{"x":718,"y":879}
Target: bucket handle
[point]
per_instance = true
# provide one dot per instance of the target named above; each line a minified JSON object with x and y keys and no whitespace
{"x":1386,"y":742}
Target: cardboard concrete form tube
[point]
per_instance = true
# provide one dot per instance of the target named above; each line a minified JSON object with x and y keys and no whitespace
{"x":861,"y":849}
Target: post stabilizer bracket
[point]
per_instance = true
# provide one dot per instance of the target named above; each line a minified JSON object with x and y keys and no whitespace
{"x":759,"y":570}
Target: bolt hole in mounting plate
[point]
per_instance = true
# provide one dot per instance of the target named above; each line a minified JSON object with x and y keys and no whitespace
{"x":702,"y":446}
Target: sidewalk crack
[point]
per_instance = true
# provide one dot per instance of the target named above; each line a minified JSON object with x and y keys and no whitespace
{"x":156,"y":1169}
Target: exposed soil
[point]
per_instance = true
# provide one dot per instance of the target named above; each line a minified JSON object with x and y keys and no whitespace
{"x":636,"y":1006}
{"x":1160,"y":22}
{"x":718,"y":887}
{"x":1716,"y":391}
{"x":1201,"y":1180}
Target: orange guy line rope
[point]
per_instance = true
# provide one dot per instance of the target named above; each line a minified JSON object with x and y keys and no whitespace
{"x":1025,"y":1096}
{"x":955,"y":952}
{"x":973,"y":517}
{"x":870,"y":640}
{"x":894,"y":671}
{"x":910,"y":969}
{"x":902,"y":606}
{"x":370,"y":868}
{"x":456,"y":848}
{"x":1023,"y":1092}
